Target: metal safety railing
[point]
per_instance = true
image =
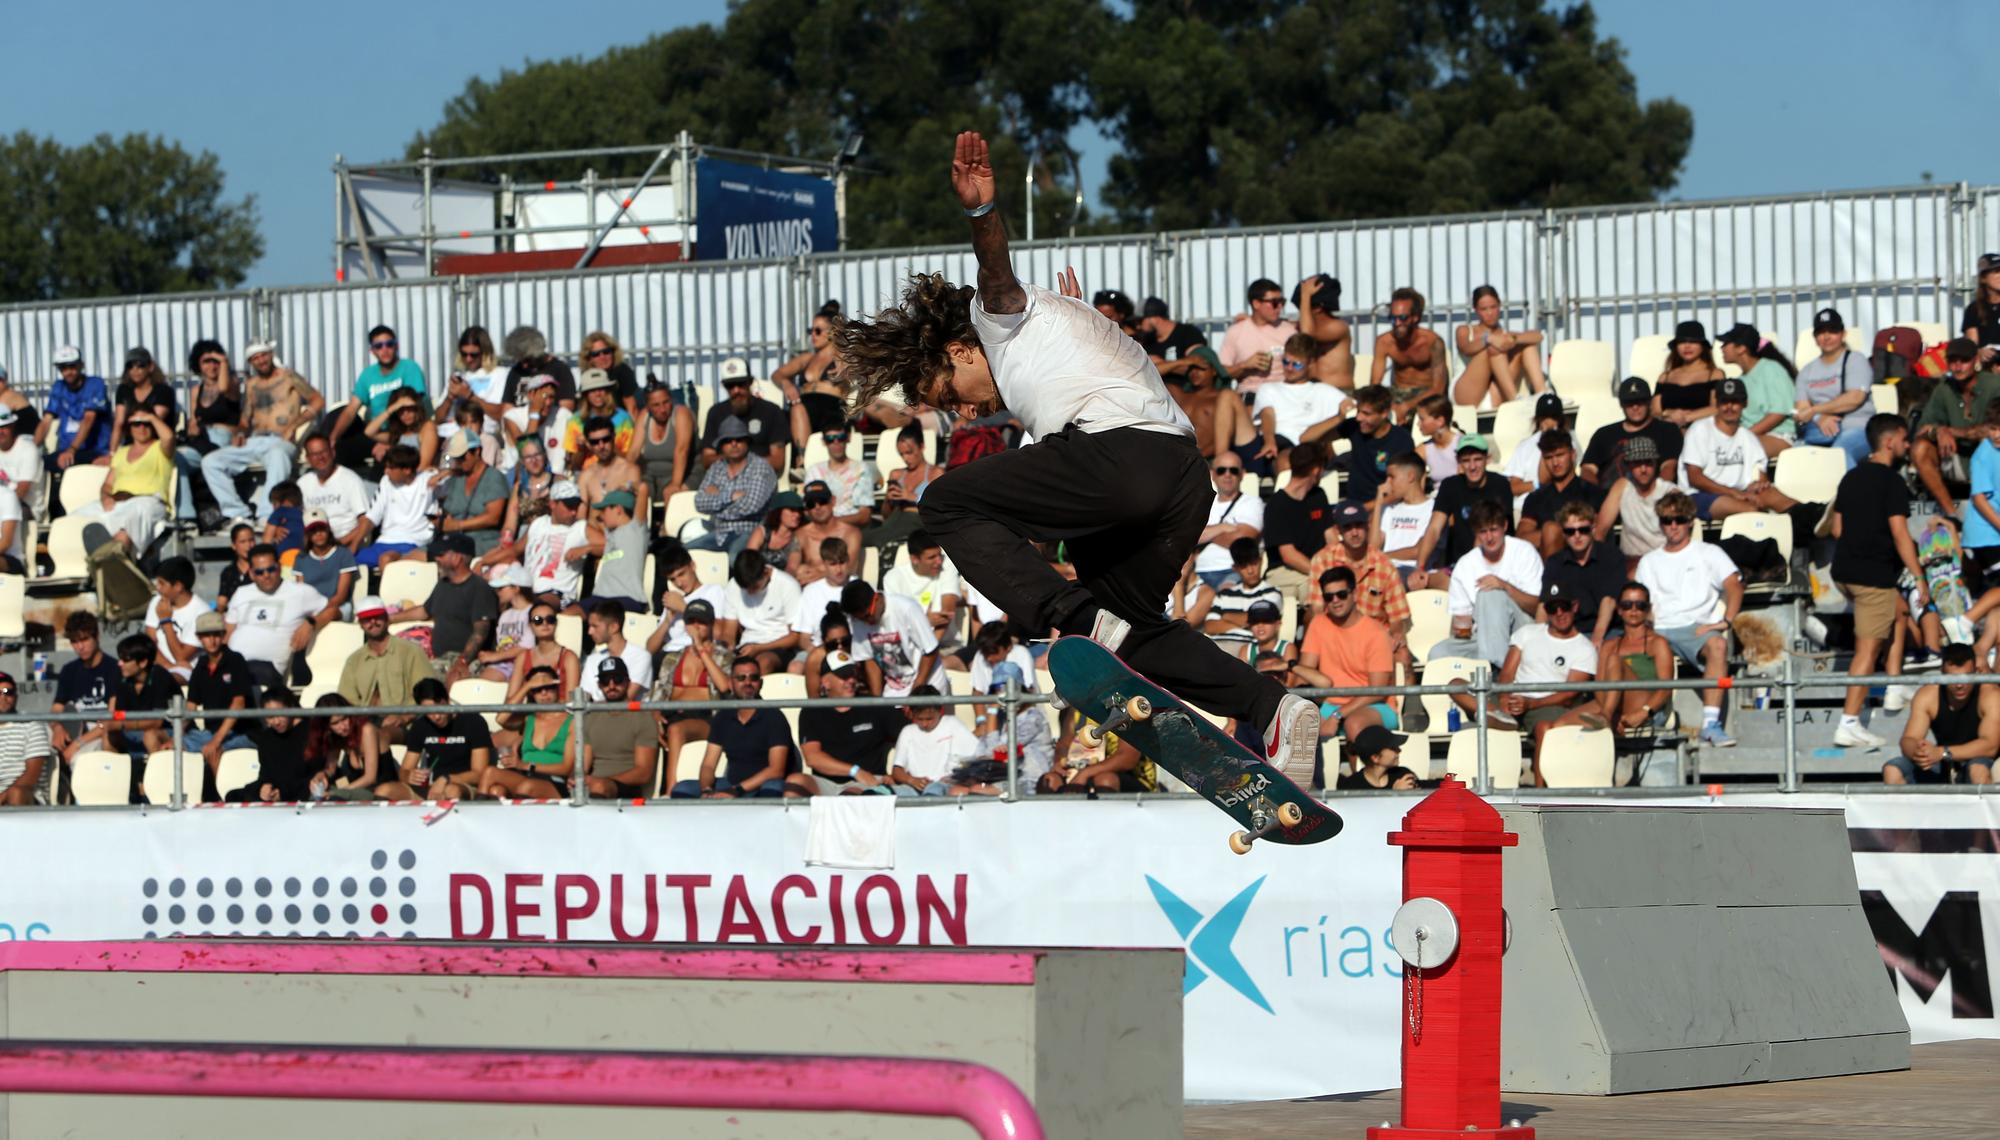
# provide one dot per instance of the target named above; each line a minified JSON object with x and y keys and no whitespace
{"x":1481,"y":689}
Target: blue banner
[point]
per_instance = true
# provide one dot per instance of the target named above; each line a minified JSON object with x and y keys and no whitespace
{"x":747,"y":213}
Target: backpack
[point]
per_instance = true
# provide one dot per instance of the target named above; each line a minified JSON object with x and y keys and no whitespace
{"x":1896,"y":353}
{"x":970,"y":443}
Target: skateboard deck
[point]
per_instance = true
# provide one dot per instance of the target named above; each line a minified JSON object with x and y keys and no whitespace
{"x":1938,"y":553}
{"x":1219,"y":768}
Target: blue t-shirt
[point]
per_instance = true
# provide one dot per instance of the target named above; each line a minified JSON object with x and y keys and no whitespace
{"x":374,"y":386}
{"x":746,"y":747}
{"x":69,"y":405}
{"x":1985,"y":481}
{"x":324,"y":574}
{"x":292,"y":521}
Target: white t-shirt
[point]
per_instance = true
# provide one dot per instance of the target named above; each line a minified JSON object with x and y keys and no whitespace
{"x":21,"y":467}
{"x":1058,"y":361}
{"x":814,"y":597}
{"x":343,"y":497}
{"x":716,"y":597}
{"x":1526,"y":462}
{"x":1520,"y":566}
{"x":10,"y":511}
{"x":264,"y":622}
{"x":1297,"y":405}
{"x":638,"y":663}
{"x":853,"y":486}
{"x":1548,"y":659}
{"x":542,"y":553}
{"x":899,"y":643}
{"x":1403,"y":526}
{"x":1247,"y":509}
{"x":982,"y":607}
{"x":1685,"y":584}
{"x":554,"y":424}
{"x":1731,"y":460}
{"x":933,"y":755}
{"x":766,"y":616}
{"x":183,"y":620}
{"x":929,"y":592}
{"x":401,"y":514}
{"x":982,"y":673}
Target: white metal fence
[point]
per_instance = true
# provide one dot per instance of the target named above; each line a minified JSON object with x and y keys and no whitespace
{"x":1608,"y":273}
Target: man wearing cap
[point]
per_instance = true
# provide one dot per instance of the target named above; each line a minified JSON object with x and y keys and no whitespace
{"x":1254,"y":345}
{"x":385,"y":670}
{"x":1687,"y":580}
{"x":605,"y":626}
{"x":472,"y":495}
{"x":324,"y":564}
{"x":621,"y":746}
{"x":734,"y":490}
{"x":377,"y":382}
{"x":462,"y":609}
{"x":600,"y":402}
{"x":275,"y":619}
{"x":1524,"y":468}
{"x":1833,"y":391}
{"x":1724,"y":463}
{"x":275,"y":402}
{"x":1448,"y":537}
{"x":1554,"y":653}
{"x":1632,"y":502}
{"x":539,"y":416}
{"x":1169,"y":342}
{"x":852,"y":480}
{"x":847,"y":748}
{"x":1952,"y":424}
{"x":1560,"y":486}
{"x":220,"y":683}
{"x":20,"y":462}
{"x":78,"y":413}
{"x":1494,"y":588}
{"x":171,"y":615}
{"x":1378,"y":589}
{"x":619,"y":541}
{"x":1604,"y":457}
{"x":761,"y":422}
{"x":544,"y":547}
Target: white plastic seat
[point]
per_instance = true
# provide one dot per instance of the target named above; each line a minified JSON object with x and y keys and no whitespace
{"x":1329,"y":485}
{"x":1932,"y":332}
{"x":408,"y":583}
{"x":687,"y":764}
{"x":157,"y":781}
{"x":871,"y":565}
{"x":1514,"y":422}
{"x":1429,"y":623}
{"x":1810,"y":474}
{"x":1646,"y":357}
{"x":960,"y":681}
{"x":1806,"y":349}
{"x":816,"y":451}
{"x":1444,"y":671}
{"x":783,"y":686}
{"x":711,"y":567}
{"x":680,"y":511}
{"x":1761,"y":524}
{"x":1885,"y":399}
{"x":480,"y":691}
{"x":569,"y":633}
{"x":1583,"y":366}
{"x":238,"y":767}
{"x":1364,"y":363}
{"x":13,"y":597}
{"x":69,"y":561}
{"x":331,"y":647}
{"x":82,"y":485}
{"x":98,"y":778}
{"x":1576,"y":757}
{"x":1503,"y":757}
{"x":639,"y":627}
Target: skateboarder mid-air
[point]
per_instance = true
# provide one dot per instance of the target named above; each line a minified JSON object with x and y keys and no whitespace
{"x":1113,"y":471}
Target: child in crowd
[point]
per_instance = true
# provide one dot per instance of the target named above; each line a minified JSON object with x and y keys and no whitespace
{"x":1404,"y":513}
{"x":285,"y":527}
{"x":236,"y":575}
{"x":1034,"y":744}
{"x":1440,"y":439}
{"x":400,"y":518}
{"x":1375,"y":751}
{"x":510,"y":631}
{"x":929,"y":749}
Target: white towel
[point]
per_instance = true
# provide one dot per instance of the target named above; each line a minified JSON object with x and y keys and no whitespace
{"x":857,"y":832}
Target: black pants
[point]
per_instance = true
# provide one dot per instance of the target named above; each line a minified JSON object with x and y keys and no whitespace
{"x":1130,"y":506}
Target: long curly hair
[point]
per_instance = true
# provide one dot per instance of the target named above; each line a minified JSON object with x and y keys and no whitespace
{"x":903,"y":346}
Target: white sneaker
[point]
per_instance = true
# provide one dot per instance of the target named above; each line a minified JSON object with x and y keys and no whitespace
{"x":1110,"y":630}
{"x":1291,"y":743}
{"x":1855,"y":736}
{"x":1896,"y":699}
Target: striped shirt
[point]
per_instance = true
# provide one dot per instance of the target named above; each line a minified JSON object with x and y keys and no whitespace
{"x":21,"y":742}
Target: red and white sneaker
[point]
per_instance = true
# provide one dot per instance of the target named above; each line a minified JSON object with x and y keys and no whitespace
{"x":1291,"y":743}
{"x":1109,"y":630}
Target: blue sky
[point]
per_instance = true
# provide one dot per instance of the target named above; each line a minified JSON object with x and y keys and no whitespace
{"x":1787,"y":96}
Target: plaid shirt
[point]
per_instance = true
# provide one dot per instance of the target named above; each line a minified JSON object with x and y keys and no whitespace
{"x":727,"y":516}
{"x":1379,"y":589}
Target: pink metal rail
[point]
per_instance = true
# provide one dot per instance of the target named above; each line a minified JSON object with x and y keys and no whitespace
{"x":895,"y":1086}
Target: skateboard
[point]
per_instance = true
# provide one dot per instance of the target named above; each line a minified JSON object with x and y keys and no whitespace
{"x":1091,"y":679}
{"x":1938,"y":554}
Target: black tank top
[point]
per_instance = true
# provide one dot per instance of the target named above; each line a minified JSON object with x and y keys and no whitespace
{"x":1955,"y":726}
{"x":1685,"y":397}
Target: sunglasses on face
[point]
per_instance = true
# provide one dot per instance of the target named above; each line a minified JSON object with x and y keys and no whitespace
{"x":471,"y":353}
{"x":596,"y":352}
{"x":599,"y":440}
{"x":1229,"y":471}
{"x":817,"y":331}
{"x":381,"y":344}
{"x":818,"y":500}
{"x":1638,"y":604}
{"x":263,"y":571}
{"x":748,"y":679}
{"x":839,"y":642}
{"x":1401,"y":318}
{"x":7,"y":692}
{"x":542,"y":619}
{"x":835,"y":437}
{"x":1576,"y":530}
{"x":1337,"y":595}
{"x":1294,"y":365}
{"x":1675,"y":520}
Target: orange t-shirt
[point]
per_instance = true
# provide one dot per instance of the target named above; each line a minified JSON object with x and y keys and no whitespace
{"x":1347,"y":656}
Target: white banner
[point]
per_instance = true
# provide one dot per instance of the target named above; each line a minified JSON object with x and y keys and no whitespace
{"x":1292,"y":987}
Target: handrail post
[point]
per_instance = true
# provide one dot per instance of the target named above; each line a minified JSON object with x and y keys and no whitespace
{"x":1482,"y":686}
{"x":1011,"y":707}
{"x":1791,"y":725}
{"x":579,"y":784}
{"x":177,"y":712}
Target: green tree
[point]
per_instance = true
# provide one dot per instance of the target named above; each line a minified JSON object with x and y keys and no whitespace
{"x":116,"y":217}
{"x":1274,"y":113}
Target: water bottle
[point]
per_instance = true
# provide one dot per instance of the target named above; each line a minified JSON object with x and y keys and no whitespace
{"x":1452,"y":721}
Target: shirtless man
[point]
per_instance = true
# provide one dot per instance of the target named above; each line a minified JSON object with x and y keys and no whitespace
{"x":610,"y":471}
{"x":1318,"y":301}
{"x":821,"y":525}
{"x":1221,"y":421}
{"x":1416,"y":353}
{"x":275,"y":401}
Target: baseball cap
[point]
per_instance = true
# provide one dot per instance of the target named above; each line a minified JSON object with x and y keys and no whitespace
{"x":787,"y":499}
{"x":1742,"y":336}
{"x":1375,"y":739}
{"x":1731,"y":391}
{"x":1957,"y":348}
{"x":512,"y":574}
{"x":1213,"y":360}
{"x":451,"y":544}
{"x":612,"y":668}
{"x":1555,"y":591}
{"x":732,"y":427}
{"x":368,"y":605}
{"x":1633,"y":390}
{"x":565,"y":492}
{"x":256,"y":347}
{"x":1347,"y":512}
{"x":735,"y":370}
{"x":624,"y":499}
{"x":593,"y":379}
{"x":7,"y":416}
{"x":1988,"y":262}
{"x":317,"y":517}
{"x":539,"y":380}
{"x":68,"y":354}
{"x":461,"y":442}
{"x":1548,"y":406}
{"x":211,"y":622}
{"x":140,"y":355}
{"x":1472,"y":441}
{"x":1262,"y":611}
{"x":698,"y":610}
{"x":1641,"y":449}
{"x":1828,"y":320}
{"x":841,"y":663}
{"x":1004,"y":672}
{"x":818,"y":491}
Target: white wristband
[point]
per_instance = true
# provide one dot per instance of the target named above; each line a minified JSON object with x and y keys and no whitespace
{"x":981,"y":211}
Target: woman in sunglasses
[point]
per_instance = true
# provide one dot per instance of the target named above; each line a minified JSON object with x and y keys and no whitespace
{"x":541,"y":769}
{"x":835,"y":635}
{"x":602,"y":350}
{"x":811,"y":381}
{"x":528,"y":494}
{"x":1634,"y":652}
{"x":697,"y":672}
{"x":404,"y":422}
{"x":542,"y":651}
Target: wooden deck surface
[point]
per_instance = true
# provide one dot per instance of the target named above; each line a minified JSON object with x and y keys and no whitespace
{"x":1948,"y":1093}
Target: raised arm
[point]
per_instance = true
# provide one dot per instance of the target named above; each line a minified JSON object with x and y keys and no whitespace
{"x":972,"y":178}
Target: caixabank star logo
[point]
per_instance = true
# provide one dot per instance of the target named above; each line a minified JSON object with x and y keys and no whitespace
{"x":372,"y":902}
{"x":1208,"y":939}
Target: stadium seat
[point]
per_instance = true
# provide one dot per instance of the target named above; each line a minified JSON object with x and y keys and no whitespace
{"x":871,"y":565}
{"x":1577,"y":757}
{"x":1583,"y":366}
{"x":83,"y":484}
{"x":783,"y":686}
{"x":1885,"y":399}
{"x":237,"y":768}
{"x":680,"y":510}
{"x":100,"y":778}
{"x":1329,"y":485}
{"x":1503,"y":757}
{"x":646,"y":577}
{"x":157,"y":781}
{"x":479,"y":691}
{"x":1045,"y":682}
{"x":13,"y":597}
{"x":1810,"y":474}
{"x":960,"y":682}
{"x":1592,"y":413}
{"x":1252,"y":486}
{"x":1514,"y":422}
{"x":1364,"y":363}
{"x":331,"y":647}
{"x":569,"y":633}
{"x":711,"y":567}
{"x":69,"y":561}
{"x":1932,"y":332}
{"x":1646,"y":357}
{"x":687,"y":765}
{"x":1428,"y":623}
{"x":1464,"y":417}
{"x":815,"y":448}
{"x":1761,"y":524}
{"x":1444,"y":671}
{"x":1806,"y":349}
{"x":407,"y":583}
{"x":1288,"y":623}
{"x":639,"y":627}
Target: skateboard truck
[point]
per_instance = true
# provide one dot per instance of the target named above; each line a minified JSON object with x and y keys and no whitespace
{"x":1266,"y":821}
{"x":1134,"y":710}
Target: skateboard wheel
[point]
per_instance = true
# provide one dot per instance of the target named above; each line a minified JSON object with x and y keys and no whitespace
{"x":1139,"y":708}
{"x":1291,"y":815}
{"x":1240,"y":842}
{"x":1091,"y":735}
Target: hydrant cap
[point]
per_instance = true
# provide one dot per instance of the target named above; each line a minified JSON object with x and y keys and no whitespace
{"x":1453,"y":817}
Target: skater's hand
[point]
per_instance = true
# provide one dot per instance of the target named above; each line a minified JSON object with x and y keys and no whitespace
{"x":972,"y":170}
{"x":1068,"y":285}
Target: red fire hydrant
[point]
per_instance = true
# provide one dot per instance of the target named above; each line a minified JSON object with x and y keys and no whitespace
{"x":1450,"y":932}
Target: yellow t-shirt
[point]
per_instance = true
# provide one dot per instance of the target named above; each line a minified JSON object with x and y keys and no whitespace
{"x":150,"y":474}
